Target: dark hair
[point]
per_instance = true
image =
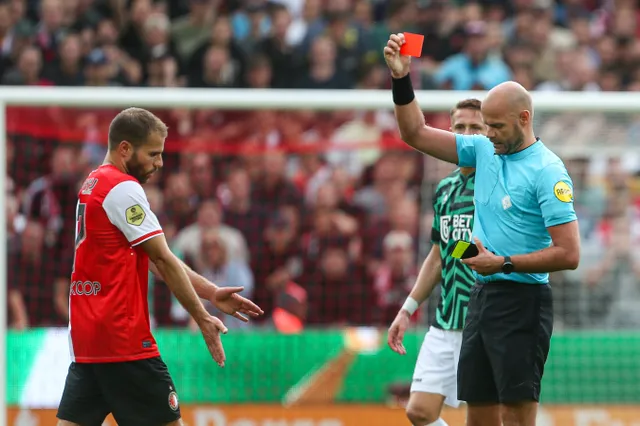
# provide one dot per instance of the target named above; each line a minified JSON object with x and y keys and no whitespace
{"x":134,"y":125}
{"x":472,"y":104}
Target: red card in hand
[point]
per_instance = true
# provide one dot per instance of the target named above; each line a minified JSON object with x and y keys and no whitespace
{"x":412,"y":45}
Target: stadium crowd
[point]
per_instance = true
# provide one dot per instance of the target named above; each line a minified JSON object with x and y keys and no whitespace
{"x":317,"y":236}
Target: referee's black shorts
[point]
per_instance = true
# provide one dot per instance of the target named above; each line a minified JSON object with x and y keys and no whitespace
{"x":505,"y":343}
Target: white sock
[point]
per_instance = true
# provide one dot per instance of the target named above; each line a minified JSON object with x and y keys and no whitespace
{"x":438,"y":422}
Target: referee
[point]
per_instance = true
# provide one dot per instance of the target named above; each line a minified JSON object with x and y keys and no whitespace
{"x":525,"y":227}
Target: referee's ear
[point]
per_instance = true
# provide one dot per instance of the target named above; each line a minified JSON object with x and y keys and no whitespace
{"x":525,"y":117}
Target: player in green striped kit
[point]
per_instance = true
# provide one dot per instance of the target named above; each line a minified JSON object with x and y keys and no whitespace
{"x":435,"y":376}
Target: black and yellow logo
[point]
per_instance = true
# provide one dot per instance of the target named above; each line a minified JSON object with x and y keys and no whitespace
{"x":563,"y":192}
{"x":135,"y":215}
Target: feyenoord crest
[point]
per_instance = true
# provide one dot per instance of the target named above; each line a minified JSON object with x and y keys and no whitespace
{"x":173,"y":401}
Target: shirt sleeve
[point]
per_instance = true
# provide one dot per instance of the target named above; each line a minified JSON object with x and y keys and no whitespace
{"x":128,"y":209}
{"x":466,"y":146}
{"x":555,"y":195}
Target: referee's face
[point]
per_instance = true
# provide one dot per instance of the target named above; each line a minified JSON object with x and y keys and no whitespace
{"x":504,"y":131}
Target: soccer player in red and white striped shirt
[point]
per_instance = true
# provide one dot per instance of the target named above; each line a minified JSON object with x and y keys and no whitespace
{"x":116,"y":367}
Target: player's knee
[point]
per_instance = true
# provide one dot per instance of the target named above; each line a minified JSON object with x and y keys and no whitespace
{"x":519,"y":414}
{"x":483,"y":415}
{"x":176,"y":423}
{"x":422,"y":415}
{"x":66,"y":423}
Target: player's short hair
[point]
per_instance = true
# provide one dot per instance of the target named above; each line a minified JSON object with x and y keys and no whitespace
{"x":134,"y":125}
{"x":472,"y":104}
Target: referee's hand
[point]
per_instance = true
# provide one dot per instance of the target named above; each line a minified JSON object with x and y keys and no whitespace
{"x":396,"y":332}
{"x":397,"y":63}
{"x":485,"y":263}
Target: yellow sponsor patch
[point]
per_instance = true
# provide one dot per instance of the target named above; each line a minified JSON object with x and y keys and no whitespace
{"x":563,"y":192}
{"x":135,"y":215}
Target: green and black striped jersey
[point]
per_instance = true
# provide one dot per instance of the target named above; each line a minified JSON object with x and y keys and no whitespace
{"x":453,"y":220}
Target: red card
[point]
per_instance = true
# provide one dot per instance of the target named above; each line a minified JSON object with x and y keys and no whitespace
{"x":412,"y":45}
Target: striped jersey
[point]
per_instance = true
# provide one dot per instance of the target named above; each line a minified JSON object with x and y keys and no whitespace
{"x":453,"y":220}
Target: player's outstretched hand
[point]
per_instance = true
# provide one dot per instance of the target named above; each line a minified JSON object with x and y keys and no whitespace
{"x":396,"y":332}
{"x":231,"y":303}
{"x":211,"y":328}
{"x":397,"y":63}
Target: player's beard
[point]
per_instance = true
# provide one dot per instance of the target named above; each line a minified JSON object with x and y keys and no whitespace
{"x":137,"y":170}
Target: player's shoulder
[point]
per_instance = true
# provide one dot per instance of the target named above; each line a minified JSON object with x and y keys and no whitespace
{"x":445,"y":185}
{"x":449,"y":180}
{"x":105,"y":179}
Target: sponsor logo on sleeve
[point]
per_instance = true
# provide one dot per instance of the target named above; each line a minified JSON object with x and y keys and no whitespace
{"x":135,"y":215}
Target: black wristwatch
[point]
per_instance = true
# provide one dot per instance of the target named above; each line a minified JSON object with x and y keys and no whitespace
{"x":507,"y":266}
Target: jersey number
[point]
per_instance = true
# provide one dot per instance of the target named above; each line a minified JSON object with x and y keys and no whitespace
{"x":81,"y":229}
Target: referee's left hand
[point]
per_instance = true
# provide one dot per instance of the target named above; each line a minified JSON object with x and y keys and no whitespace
{"x":485,"y":263}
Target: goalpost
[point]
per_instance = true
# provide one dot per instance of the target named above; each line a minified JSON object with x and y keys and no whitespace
{"x":240,"y":99}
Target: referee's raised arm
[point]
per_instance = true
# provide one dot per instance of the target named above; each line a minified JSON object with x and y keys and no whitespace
{"x":413,"y":129}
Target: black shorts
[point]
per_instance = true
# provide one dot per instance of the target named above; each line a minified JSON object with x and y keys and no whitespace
{"x":137,"y":393}
{"x":505,"y":343}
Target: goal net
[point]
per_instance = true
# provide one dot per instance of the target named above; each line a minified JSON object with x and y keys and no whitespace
{"x":313,"y":204}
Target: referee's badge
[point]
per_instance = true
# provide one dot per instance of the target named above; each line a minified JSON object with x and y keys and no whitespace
{"x":506,"y":202}
{"x":563,"y":192}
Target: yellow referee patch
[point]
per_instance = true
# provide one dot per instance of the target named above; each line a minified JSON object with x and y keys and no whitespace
{"x":135,"y":215}
{"x":563,"y":192}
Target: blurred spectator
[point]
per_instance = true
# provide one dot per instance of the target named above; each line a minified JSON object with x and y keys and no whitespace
{"x":210,"y":218}
{"x":474,"y":68}
{"x":240,"y":209}
{"x":396,"y":275}
{"x":291,"y":306}
{"x":338,"y":293}
{"x":193,"y":29}
{"x":275,"y":260}
{"x":35,"y":279}
{"x":27,"y":70}
{"x":323,"y":72}
{"x":278,"y":50}
{"x":212,"y":260}
{"x":273,"y":189}
{"x":68,"y":68}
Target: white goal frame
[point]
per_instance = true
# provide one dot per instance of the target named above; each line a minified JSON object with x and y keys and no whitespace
{"x":247,"y":99}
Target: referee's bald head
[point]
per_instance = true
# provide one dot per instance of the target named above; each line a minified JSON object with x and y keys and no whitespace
{"x":508,"y":98}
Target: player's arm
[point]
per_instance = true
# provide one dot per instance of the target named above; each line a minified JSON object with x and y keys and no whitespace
{"x":19,"y":319}
{"x":204,"y":288}
{"x":447,"y":146}
{"x":128,"y":209}
{"x":415,"y":133}
{"x":413,"y":129}
{"x":61,"y":298}
{"x":172,"y":271}
{"x":555,"y":195}
{"x":431,"y":271}
{"x":430,"y":275}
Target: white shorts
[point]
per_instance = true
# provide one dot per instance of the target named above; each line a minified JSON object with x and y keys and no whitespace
{"x":437,"y":366}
